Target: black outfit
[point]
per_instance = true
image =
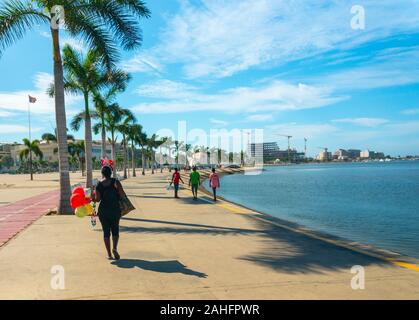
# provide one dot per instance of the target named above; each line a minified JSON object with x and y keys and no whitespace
{"x":109,"y":211}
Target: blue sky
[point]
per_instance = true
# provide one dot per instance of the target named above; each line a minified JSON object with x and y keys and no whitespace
{"x":288,"y":67}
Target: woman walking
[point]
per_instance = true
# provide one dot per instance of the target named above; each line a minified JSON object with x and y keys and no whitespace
{"x":214,"y":181}
{"x":108,"y":192}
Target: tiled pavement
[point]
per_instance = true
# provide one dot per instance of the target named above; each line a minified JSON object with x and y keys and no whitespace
{"x":19,"y":215}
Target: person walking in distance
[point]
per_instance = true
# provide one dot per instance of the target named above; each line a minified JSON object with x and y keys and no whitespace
{"x":194,"y":182}
{"x":214,"y":181}
{"x":176,"y":178}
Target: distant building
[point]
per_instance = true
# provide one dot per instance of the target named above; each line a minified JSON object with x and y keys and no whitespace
{"x":354,"y":153}
{"x":324,"y":156}
{"x":271,"y":152}
{"x":341,"y":154}
{"x":368,"y":154}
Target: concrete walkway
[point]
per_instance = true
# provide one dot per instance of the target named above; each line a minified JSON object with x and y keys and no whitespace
{"x":182,"y":249}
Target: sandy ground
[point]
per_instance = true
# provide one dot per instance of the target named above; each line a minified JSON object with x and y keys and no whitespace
{"x":185,"y":249}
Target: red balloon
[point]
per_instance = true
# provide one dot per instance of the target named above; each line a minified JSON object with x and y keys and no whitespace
{"x":79,"y":190}
{"x":77,"y":200}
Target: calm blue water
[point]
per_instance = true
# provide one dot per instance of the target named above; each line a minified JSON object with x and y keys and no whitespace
{"x":372,"y":203}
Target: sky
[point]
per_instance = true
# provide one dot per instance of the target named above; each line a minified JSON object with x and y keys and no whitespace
{"x":309,"y":69}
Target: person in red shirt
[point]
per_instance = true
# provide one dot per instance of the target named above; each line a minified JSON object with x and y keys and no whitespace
{"x":176,"y":178}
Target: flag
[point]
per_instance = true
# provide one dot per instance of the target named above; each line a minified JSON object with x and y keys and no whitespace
{"x":32,"y":99}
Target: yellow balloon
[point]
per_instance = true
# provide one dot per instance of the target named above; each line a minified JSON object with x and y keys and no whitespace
{"x":89,"y":209}
{"x":81,"y":212}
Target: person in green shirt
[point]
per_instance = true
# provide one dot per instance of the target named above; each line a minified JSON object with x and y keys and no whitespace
{"x":194,"y":182}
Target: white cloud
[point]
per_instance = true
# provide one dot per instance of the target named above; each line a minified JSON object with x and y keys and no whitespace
{"x":221,"y":37}
{"x":364,"y":122}
{"x":167,"y":89}
{"x":410,"y":112}
{"x":6,"y":114}
{"x":13,"y":129}
{"x":259,"y":118}
{"x":143,"y":62}
{"x":18,"y":100}
{"x":45,"y":34}
{"x":218,"y":123}
{"x":76,"y":44}
{"x":272,"y":96}
{"x":393,"y":67}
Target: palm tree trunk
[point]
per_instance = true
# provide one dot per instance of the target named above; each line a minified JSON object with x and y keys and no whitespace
{"x":143,"y":160}
{"x":134,"y":174}
{"x":113,"y":152}
{"x":88,"y":143}
{"x":125,"y":157}
{"x":153,"y":161}
{"x":61,"y":123}
{"x":30,"y":162}
{"x":103,"y":134}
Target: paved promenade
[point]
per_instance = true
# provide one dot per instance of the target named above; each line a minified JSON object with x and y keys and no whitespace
{"x":185,"y":249}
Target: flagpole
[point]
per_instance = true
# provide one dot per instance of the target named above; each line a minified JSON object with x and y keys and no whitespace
{"x":30,"y":139}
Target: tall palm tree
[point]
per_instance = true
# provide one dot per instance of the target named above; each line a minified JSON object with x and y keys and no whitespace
{"x":134,"y":131}
{"x":31,"y":148}
{"x":114,"y":116}
{"x":117,"y":81}
{"x":104,"y":25}
{"x":84,"y":75}
{"x":124,"y":128}
{"x":141,"y":140}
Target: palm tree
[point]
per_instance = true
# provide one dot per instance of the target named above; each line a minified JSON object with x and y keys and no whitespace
{"x":83,"y":75}
{"x":51,"y":137}
{"x":31,"y":147}
{"x":141,"y":139}
{"x":114,"y":116}
{"x":77,"y":150}
{"x":178,"y":146}
{"x":163,"y":141}
{"x":153,"y":142}
{"x":104,"y":25}
{"x":133,"y":134}
{"x":124,"y":128}
{"x":117,"y":81}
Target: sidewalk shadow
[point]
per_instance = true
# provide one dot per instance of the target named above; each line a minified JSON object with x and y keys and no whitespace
{"x":291,"y":252}
{"x":171,"y":266}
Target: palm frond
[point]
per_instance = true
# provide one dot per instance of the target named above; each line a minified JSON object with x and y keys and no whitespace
{"x":16,"y":18}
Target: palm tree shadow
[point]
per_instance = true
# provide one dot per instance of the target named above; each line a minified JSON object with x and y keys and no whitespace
{"x":170,"y":266}
{"x":287,"y":251}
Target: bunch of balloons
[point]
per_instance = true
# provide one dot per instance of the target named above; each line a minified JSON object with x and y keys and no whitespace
{"x":80,"y":203}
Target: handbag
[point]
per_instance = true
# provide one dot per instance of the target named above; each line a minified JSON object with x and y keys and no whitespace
{"x":126,"y":206}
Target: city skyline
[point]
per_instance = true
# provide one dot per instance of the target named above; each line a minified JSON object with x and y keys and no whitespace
{"x":334,"y":85}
